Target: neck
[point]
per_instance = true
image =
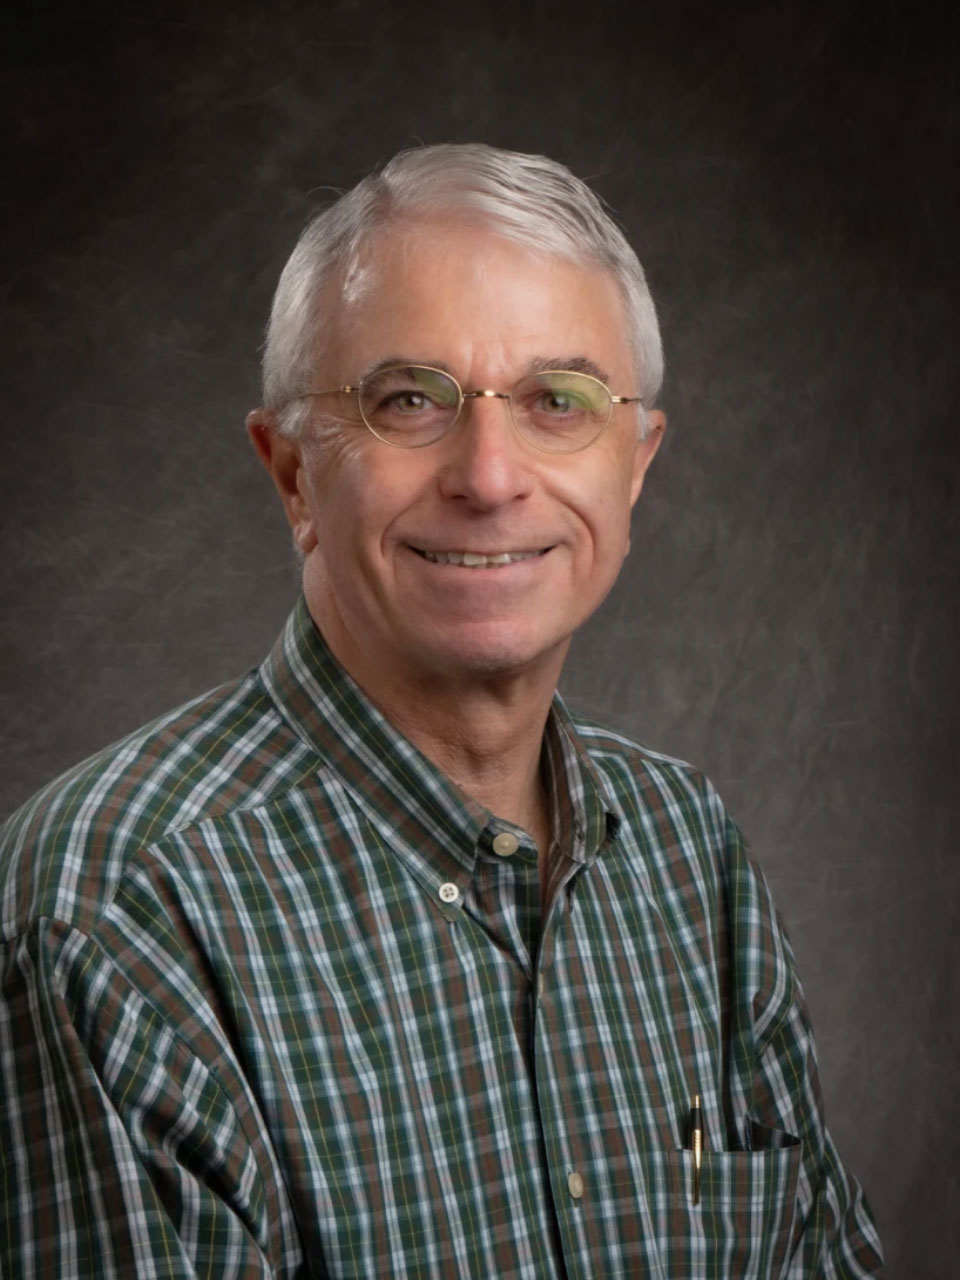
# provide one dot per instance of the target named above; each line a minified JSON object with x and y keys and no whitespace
{"x":487,"y":741}
{"x":483,"y":729}
{"x":490,"y":746}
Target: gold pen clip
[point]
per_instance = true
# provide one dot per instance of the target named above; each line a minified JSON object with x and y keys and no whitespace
{"x":696,"y":1144}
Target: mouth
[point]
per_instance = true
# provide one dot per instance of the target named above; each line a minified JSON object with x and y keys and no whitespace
{"x":478,"y":560}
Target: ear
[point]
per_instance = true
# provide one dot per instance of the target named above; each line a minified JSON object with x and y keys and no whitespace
{"x":646,"y":450}
{"x":282,"y":456}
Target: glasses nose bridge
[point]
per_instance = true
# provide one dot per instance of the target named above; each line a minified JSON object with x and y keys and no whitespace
{"x":484,"y":393}
{"x":488,"y":393}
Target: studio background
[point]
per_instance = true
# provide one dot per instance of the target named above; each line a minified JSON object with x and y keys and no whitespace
{"x":788,"y":616}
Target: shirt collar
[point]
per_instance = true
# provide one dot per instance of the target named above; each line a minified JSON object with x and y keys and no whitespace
{"x":586,"y":816}
{"x":438,"y":827}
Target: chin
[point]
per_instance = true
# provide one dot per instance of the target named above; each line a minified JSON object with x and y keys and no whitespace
{"x":497,"y":654}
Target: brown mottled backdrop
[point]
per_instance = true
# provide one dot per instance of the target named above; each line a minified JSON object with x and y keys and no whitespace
{"x":788,"y":617}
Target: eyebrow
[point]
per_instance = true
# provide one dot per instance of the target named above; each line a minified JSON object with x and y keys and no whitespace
{"x":569,"y":364}
{"x":390,"y":362}
{"x":538,"y":364}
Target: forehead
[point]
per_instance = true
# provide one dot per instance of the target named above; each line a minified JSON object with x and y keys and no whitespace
{"x":441,"y":291}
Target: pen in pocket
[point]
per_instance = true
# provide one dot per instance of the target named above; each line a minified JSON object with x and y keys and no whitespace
{"x":696,"y":1144}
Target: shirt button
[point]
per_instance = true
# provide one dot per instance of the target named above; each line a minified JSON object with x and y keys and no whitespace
{"x":540,"y":986}
{"x":575,"y":1185}
{"x":505,"y":844}
{"x":449,"y":892}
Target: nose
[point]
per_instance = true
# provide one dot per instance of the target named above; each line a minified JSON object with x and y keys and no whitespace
{"x":486,"y":464}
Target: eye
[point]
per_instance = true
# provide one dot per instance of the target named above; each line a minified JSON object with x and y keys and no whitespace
{"x":407,"y":402}
{"x":558,"y":402}
{"x":554,"y":403}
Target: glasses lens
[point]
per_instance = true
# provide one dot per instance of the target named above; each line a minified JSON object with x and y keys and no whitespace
{"x":560,"y":412}
{"x":408,"y":405}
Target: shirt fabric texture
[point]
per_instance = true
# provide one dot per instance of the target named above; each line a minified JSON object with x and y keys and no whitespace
{"x":273,"y":1005}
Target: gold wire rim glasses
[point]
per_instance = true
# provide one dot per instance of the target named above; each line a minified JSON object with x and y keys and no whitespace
{"x":358,"y":389}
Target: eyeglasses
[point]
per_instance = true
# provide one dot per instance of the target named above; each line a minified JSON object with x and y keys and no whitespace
{"x":411,"y":406}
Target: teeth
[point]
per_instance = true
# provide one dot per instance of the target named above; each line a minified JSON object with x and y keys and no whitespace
{"x":471,"y":560}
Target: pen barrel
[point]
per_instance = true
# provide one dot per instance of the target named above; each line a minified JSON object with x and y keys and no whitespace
{"x":696,"y":1144}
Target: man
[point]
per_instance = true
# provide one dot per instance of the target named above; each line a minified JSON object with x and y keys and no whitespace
{"x":375,"y":962}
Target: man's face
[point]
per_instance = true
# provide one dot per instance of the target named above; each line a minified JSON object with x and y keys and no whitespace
{"x":372,"y":519}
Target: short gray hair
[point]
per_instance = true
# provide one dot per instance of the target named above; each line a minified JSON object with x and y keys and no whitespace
{"x":529,"y":199}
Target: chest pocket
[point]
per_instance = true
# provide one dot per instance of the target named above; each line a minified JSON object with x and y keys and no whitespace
{"x":742,"y":1227}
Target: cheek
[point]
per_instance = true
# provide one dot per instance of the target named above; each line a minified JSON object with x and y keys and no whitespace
{"x":601,"y":502}
{"x":356,"y":492}
{"x":333,"y":475}
{"x":617,"y":489}
{"x":324,"y":490}
{"x":332,"y":450}
{"x":615,"y":541}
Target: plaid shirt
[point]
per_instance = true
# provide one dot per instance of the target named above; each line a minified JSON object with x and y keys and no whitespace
{"x":278,"y":1002}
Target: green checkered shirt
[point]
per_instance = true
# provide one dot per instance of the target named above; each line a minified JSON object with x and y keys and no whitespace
{"x":274,"y":1005}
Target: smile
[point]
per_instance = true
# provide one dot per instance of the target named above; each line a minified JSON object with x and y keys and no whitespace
{"x":475,"y":560}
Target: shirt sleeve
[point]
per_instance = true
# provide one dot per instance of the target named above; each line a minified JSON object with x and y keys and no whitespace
{"x":120,"y":1154}
{"x":835,"y":1237}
